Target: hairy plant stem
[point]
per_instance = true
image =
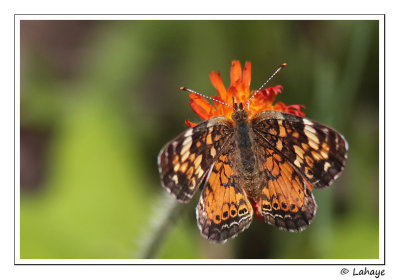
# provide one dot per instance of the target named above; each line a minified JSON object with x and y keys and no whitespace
{"x":160,"y":225}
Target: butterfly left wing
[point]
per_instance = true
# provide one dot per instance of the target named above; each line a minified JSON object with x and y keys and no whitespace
{"x":224,"y":209}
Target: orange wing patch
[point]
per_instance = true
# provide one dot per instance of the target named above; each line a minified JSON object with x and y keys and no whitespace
{"x":223,"y":210}
{"x":285,"y":199}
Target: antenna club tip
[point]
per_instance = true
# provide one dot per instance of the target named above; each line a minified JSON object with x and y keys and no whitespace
{"x":284,"y":64}
{"x":182,"y":88}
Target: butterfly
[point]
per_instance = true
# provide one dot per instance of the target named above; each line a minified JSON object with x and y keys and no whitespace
{"x":267,"y":164}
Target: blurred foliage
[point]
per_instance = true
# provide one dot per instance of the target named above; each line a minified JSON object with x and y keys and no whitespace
{"x":100,"y":98}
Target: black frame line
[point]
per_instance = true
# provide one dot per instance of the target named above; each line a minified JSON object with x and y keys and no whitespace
{"x":227,"y":264}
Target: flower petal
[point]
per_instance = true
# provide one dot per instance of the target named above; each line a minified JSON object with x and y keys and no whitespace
{"x":294,"y":109}
{"x":247,"y":75}
{"x":236,"y":72}
{"x":201,"y":106}
{"x":216,"y":80}
{"x":190,"y":124}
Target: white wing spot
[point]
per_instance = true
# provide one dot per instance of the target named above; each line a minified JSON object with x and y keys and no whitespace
{"x":185,"y":156}
{"x":299,"y":151}
{"x":186,"y":145}
{"x":298,"y":162}
{"x":199,"y":172}
{"x":307,"y":122}
{"x":313,"y":140}
{"x":197,"y":161}
{"x":326,"y":166}
{"x":279,"y":144}
{"x":188,"y":141}
{"x":213,"y":152}
{"x":188,"y":133}
{"x":175,"y":179}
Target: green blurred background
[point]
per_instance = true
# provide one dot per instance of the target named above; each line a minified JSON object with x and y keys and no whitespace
{"x":99,"y":99}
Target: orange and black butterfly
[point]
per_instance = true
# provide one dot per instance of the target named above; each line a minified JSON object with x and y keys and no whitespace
{"x":251,"y":160}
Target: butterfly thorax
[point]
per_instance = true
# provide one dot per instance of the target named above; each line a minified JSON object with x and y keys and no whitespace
{"x":244,"y":141}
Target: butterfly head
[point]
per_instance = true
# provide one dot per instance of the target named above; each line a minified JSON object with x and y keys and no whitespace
{"x":239,"y":113}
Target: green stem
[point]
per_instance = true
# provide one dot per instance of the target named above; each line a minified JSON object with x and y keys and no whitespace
{"x":160,"y":225}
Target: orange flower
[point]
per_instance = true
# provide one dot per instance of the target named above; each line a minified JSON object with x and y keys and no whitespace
{"x":239,"y":91}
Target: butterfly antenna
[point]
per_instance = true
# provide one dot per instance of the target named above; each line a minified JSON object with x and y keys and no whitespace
{"x":205,"y":96}
{"x":266,"y":82}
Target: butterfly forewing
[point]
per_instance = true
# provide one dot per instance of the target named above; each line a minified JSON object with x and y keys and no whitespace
{"x":317,"y":152}
{"x":185,"y":161}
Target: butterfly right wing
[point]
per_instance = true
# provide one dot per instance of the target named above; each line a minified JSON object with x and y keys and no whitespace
{"x":185,"y":161}
{"x":296,"y":155}
{"x":316,"y":151}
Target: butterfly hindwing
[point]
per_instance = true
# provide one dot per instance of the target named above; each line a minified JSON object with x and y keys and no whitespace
{"x":185,"y":161}
{"x":224,"y":209}
{"x":285,"y":200}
